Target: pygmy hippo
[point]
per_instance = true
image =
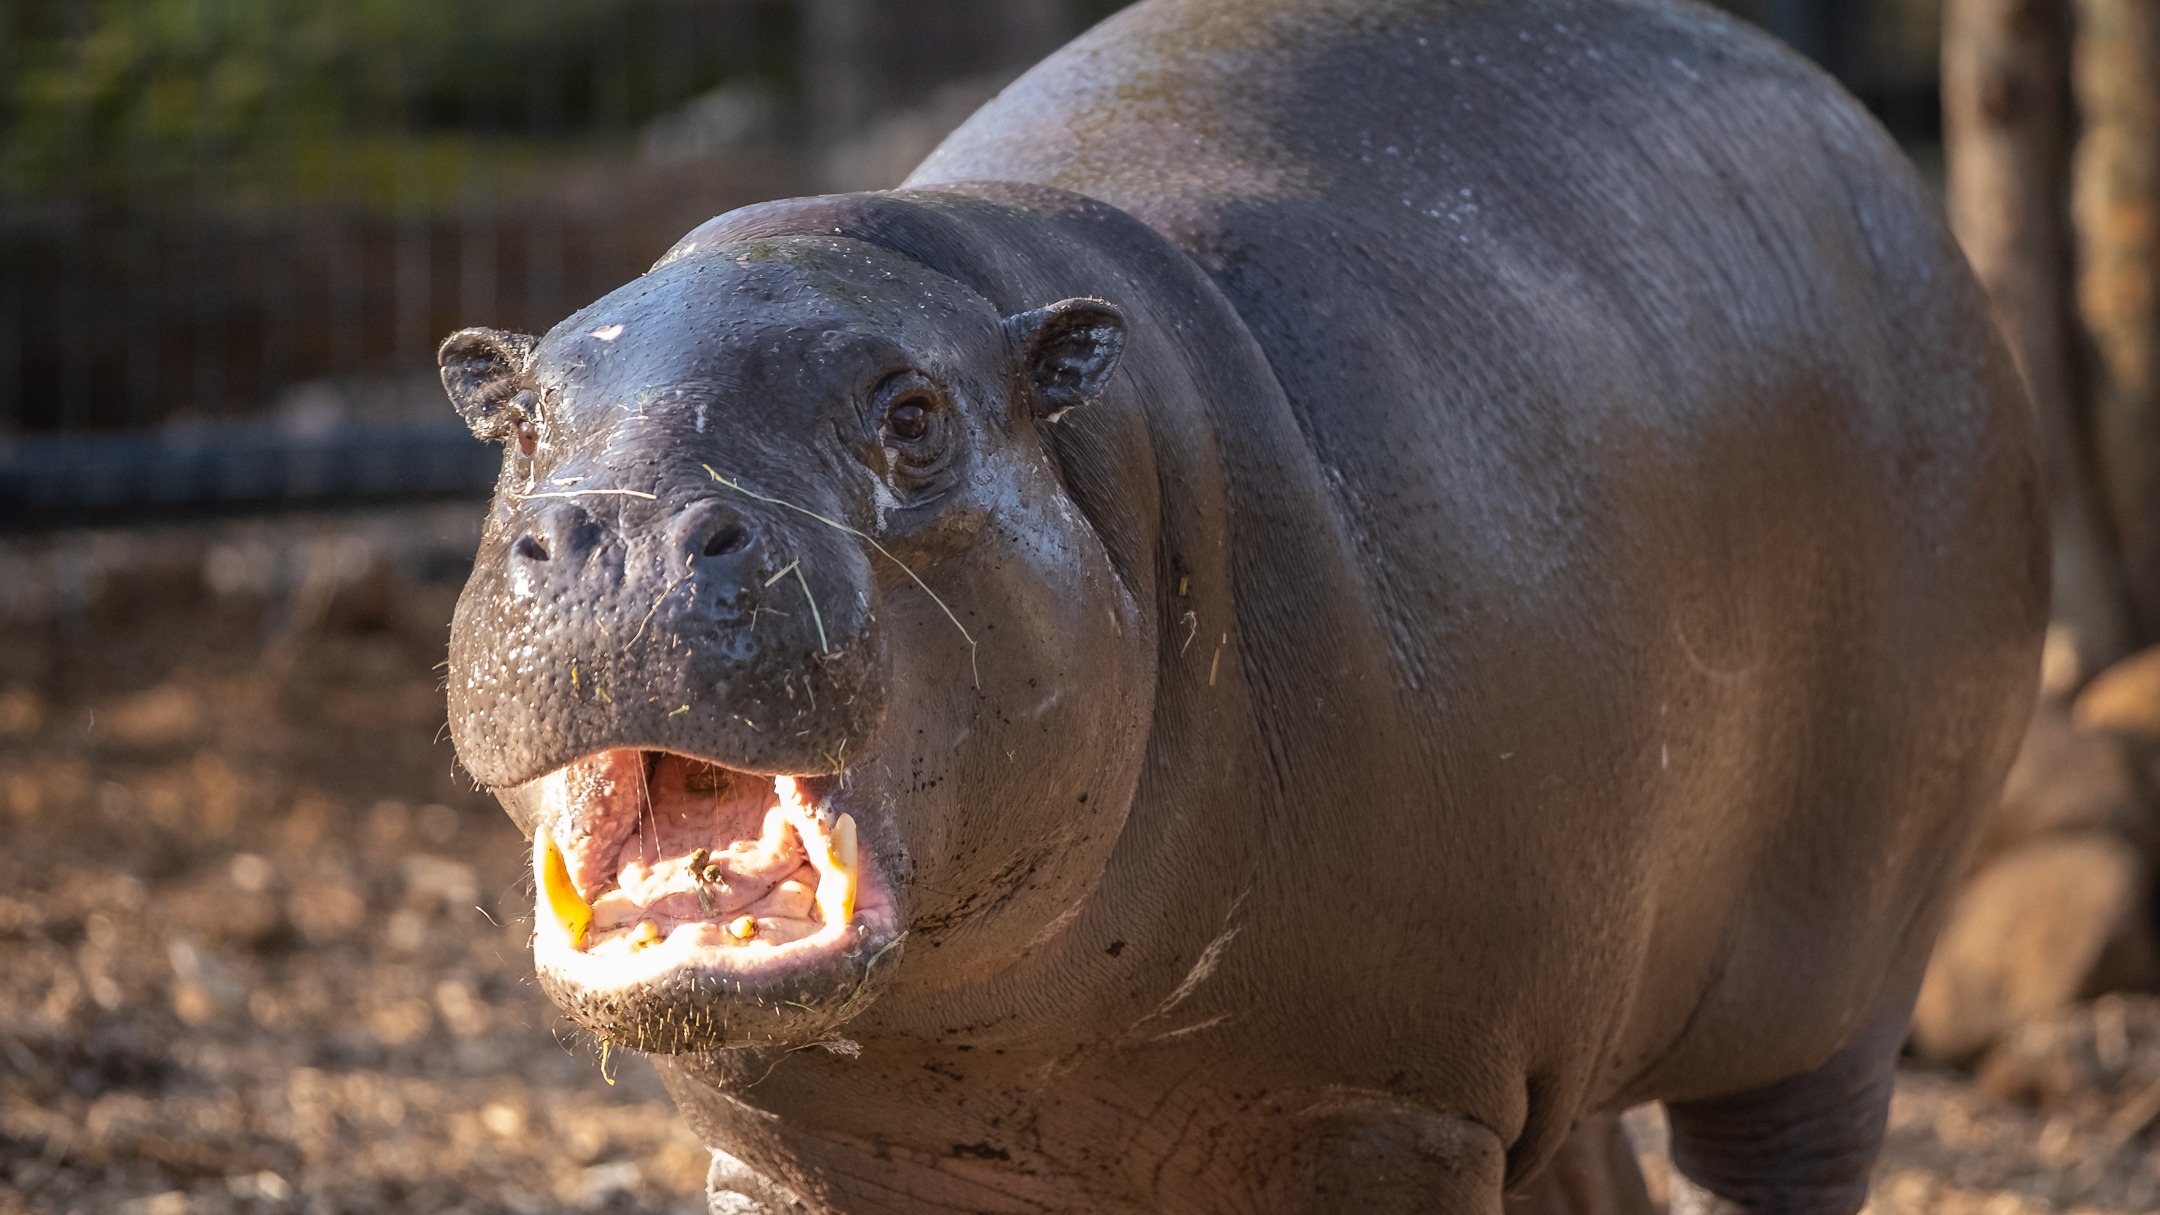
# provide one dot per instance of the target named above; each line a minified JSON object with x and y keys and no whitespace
{"x":1333,"y":589}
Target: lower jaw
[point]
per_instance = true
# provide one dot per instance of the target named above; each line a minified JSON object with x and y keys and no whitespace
{"x":682,"y":1006}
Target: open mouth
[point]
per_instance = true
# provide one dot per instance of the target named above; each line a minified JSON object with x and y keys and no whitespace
{"x":650,"y":865}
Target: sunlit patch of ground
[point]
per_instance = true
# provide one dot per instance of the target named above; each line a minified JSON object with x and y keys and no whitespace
{"x":261,"y":948}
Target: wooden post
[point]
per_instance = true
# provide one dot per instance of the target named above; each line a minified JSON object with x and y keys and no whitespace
{"x":2007,"y":130}
{"x":2116,"y":70}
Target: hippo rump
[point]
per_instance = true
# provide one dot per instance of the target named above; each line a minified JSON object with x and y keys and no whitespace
{"x":1330,"y":593}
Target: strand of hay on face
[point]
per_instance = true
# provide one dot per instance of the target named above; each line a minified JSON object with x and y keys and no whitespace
{"x":847,"y":1006}
{"x":816,"y":617}
{"x":871,"y":540}
{"x":582,"y":493}
{"x":653,"y":610}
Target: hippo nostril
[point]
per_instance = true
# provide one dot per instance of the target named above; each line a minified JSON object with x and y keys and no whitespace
{"x":530,"y":548}
{"x":709,"y":529}
{"x":728,"y":538}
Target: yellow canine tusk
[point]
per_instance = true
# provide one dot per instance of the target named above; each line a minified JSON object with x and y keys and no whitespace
{"x":560,"y":903}
{"x":837,"y":874}
{"x":844,"y":852}
{"x":837,"y":879}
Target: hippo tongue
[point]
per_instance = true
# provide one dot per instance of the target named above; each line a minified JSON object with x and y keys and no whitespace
{"x":635,"y":845}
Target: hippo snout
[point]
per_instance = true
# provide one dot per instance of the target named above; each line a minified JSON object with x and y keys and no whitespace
{"x":708,"y":553}
{"x":612,"y":617}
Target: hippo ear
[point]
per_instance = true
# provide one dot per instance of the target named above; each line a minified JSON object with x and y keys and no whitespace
{"x":481,"y":370}
{"x":1068,"y":350}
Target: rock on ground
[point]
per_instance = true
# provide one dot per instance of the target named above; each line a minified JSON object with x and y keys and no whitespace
{"x":2125,"y":698}
{"x":2031,"y":933}
{"x":2069,"y":778}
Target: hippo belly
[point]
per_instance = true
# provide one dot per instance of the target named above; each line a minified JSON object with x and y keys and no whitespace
{"x":1330,"y":595}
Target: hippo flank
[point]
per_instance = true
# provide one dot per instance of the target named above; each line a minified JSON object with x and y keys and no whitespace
{"x":1329,"y":592}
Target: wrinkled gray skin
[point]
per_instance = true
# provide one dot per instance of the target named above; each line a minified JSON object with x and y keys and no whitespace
{"x":1536,"y":568}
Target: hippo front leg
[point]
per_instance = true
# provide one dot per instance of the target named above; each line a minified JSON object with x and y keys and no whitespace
{"x":1802,"y":1146}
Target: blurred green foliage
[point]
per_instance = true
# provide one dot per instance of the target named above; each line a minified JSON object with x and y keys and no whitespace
{"x":379,"y":101}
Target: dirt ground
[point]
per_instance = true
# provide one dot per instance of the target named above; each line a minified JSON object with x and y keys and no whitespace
{"x":263,"y":948}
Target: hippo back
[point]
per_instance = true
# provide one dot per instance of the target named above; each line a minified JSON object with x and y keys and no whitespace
{"x":1695,"y":565}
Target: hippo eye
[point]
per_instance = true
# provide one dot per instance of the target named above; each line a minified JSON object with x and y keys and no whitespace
{"x":913,"y":429}
{"x":522,"y":407}
{"x":911,"y":407}
{"x":908,"y":419}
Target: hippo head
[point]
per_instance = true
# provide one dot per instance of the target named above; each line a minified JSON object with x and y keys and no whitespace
{"x":785,"y":640}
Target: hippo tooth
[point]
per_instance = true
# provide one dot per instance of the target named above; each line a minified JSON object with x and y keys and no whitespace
{"x":836,"y":897}
{"x":836,"y":888}
{"x":566,"y":910}
{"x":790,"y":794}
{"x":843,"y":843}
{"x":830,"y":844}
{"x":798,"y":813}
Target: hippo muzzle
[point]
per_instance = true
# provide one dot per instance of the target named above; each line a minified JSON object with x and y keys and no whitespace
{"x":661,"y":617}
{"x":665,"y":679}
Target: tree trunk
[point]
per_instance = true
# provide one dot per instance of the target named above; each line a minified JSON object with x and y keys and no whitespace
{"x":2007,"y":133}
{"x":2117,"y":74}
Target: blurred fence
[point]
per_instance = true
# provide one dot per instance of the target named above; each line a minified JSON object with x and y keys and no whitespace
{"x":267,"y":212}
{"x":215,"y":208}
